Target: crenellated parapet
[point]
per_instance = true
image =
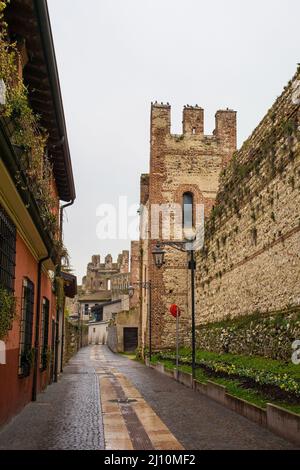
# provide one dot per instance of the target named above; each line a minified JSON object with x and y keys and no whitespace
{"x":225,"y":132}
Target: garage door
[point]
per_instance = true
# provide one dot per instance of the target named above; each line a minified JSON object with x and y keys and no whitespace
{"x":130,"y":339}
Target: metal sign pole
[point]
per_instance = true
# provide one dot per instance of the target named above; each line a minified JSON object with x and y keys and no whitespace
{"x":150,"y":319}
{"x":177,"y":343}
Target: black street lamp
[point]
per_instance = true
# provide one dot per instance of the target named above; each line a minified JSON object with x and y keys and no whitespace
{"x":185,"y":246}
{"x":159,"y":255}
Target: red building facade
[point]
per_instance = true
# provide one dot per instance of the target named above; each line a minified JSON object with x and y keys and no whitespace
{"x":31,"y":285}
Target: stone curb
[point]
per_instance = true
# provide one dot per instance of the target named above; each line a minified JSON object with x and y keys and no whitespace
{"x":278,"y":420}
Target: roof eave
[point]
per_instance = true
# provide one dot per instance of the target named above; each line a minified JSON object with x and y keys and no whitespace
{"x":43,"y":18}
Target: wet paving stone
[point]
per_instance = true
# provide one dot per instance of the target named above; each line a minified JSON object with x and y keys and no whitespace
{"x":140,"y":409}
{"x":194,"y":419}
{"x":66,"y":417}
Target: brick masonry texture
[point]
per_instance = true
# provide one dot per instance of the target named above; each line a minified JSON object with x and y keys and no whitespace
{"x":190,"y":162}
{"x":134,"y":272}
{"x":99,"y":274}
{"x":250,"y":261}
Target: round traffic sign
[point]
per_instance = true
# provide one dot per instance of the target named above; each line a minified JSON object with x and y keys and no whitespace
{"x":175,"y":310}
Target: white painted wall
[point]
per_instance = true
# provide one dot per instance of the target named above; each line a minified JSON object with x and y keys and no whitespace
{"x":98,"y":333}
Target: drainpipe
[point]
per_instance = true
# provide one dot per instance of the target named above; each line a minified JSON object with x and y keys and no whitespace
{"x":56,"y":345}
{"x":37,"y":328}
{"x":57,"y":310}
{"x":62,"y":218}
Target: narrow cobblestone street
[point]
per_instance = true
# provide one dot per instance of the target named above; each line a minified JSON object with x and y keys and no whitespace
{"x":106,"y":401}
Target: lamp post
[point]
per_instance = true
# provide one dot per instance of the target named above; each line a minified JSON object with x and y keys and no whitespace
{"x":158,"y":253}
{"x":148,"y":287}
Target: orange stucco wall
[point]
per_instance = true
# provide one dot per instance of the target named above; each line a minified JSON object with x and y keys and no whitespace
{"x":15,"y":392}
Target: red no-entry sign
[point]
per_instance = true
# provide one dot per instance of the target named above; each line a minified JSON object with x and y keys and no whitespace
{"x":175,"y":310}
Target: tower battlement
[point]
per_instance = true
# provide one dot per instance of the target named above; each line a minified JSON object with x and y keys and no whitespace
{"x":193,"y":122}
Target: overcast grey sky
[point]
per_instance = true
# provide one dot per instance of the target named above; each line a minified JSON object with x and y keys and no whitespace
{"x":116,"y":56}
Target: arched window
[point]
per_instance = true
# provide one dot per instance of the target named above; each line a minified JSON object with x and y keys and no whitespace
{"x":188,"y":200}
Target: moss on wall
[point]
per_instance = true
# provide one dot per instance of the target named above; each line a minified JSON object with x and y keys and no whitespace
{"x":250,"y":258}
{"x":261,"y":334}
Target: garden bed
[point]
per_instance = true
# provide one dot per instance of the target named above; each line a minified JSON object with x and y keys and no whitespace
{"x":255,"y":379}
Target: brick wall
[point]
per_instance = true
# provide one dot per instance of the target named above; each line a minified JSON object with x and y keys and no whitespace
{"x":190,"y":162}
{"x":135,"y":273}
{"x":143,"y":262}
{"x":99,"y":274}
{"x":251,"y":259}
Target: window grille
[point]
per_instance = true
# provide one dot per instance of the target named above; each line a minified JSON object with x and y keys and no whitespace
{"x":7,"y":251}
{"x":26,"y":351}
{"x":44,"y":335}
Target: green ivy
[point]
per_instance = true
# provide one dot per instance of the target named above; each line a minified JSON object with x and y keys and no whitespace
{"x":27,"y":133}
{"x":236,"y":180}
{"x":27,"y":360}
{"x":7,"y":311}
{"x":46,"y":358}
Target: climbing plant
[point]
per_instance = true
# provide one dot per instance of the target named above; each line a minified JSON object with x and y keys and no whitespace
{"x":27,"y":134}
{"x":7,"y":311}
{"x":46,"y":357}
{"x":27,"y":360}
{"x":270,"y":158}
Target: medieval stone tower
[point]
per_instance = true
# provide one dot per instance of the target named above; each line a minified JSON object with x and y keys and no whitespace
{"x":98,"y":275}
{"x":186,"y":165}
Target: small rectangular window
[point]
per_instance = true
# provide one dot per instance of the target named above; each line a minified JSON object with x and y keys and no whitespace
{"x":188,"y":210}
{"x":26,"y":327}
{"x":44,"y":335}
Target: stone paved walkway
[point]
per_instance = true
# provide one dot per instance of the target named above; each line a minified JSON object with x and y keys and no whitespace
{"x":138,"y":409}
{"x":67,"y":416}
